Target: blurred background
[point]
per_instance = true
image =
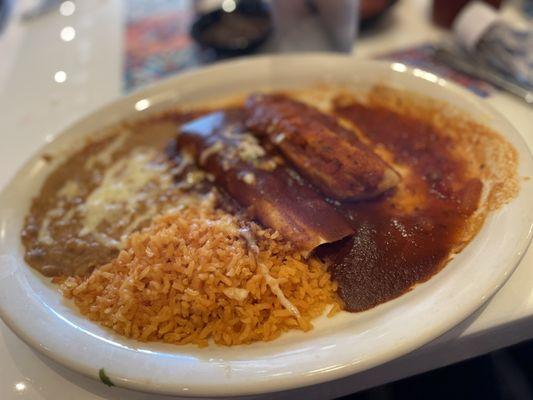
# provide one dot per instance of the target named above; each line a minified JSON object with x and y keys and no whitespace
{"x":62,"y":59}
{"x":155,"y":38}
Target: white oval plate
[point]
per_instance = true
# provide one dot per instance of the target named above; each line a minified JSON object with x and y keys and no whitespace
{"x":343,"y":345}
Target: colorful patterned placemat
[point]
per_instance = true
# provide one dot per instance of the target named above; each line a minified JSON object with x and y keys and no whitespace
{"x":157,"y":41}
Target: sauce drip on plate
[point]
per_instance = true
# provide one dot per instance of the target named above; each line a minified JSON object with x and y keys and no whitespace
{"x":405,"y":236}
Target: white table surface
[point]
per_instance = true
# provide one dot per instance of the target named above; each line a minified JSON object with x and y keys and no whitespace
{"x":33,"y":107}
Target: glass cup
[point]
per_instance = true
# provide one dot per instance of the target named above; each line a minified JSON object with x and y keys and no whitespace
{"x":314,"y":25}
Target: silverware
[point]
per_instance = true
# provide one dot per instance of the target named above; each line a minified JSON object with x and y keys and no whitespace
{"x":477,"y":70}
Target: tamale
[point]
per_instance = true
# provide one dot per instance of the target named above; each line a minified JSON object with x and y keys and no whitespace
{"x":325,"y":152}
{"x":260,"y":182}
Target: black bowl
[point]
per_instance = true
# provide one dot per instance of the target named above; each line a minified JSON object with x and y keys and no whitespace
{"x":238,"y":32}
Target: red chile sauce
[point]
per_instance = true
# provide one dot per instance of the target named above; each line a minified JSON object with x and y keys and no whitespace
{"x":400,"y":241}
